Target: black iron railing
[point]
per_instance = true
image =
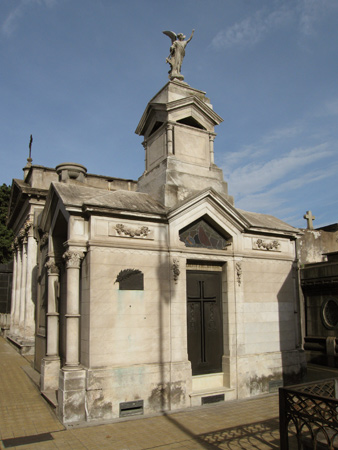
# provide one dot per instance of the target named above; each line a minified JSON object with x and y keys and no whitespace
{"x":308,"y":416}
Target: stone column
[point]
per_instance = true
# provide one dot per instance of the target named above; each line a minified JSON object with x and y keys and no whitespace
{"x":73,"y":262}
{"x":144,"y":143}
{"x":23,"y":289}
{"x":170,"y":146}
{"x":17,"y":289}
{"x":51,"y":362}
{"x":52,"y":309}
{"x":72,"y":380}
{"x":13,"y":301}
{"x":180,"y":366}
{"x":211,"y":148}
{"x":31,"y":247}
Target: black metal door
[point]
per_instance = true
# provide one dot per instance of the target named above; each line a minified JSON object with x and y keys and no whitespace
{"x":204,"y":322}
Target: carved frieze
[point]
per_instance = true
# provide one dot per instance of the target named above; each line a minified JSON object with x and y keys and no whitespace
{"x":266,"y":245}
{"x":127,"y":231}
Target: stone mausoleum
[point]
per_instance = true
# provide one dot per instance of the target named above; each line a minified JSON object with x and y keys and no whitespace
{"x":153,"y":295}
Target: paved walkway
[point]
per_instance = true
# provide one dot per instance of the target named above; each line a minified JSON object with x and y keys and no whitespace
{"x":24,"y":414}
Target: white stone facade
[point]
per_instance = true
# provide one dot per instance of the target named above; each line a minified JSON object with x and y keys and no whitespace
{"x":112,"y":347}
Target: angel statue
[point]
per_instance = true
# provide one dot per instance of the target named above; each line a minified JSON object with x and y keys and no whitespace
{"x":177,"y":52}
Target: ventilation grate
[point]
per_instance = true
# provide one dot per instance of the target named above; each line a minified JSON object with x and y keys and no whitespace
{"x":213,"y":399}
{"x":131,"y":408}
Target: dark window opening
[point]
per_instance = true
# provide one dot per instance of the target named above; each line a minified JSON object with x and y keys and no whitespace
{"x":156,"y":127}
{"x":191,"y":122}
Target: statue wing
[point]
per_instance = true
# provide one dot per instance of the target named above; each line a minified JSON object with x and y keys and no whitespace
{"x":170,"y":34}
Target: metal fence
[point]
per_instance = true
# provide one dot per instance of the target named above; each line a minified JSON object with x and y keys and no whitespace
{"x":308,"y":416}
{"x":5,"y":322}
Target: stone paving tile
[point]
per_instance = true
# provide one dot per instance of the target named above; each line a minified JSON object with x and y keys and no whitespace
{"x":249,"y":424}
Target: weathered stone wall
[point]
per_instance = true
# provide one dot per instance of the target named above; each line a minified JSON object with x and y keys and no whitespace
{"x":313,"y":243}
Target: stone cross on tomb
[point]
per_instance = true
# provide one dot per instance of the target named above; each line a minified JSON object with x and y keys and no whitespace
{"x":310,"y":218}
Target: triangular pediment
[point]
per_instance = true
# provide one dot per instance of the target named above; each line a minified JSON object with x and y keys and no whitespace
{"x":232,"y":221}
{"x":174,"y":102}
{"x":54,"y":206}
{"x":211,"y":203}
{"x":21,"y":192}
{"x":176,"y":111}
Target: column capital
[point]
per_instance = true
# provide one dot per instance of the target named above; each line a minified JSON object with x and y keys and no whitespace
{"x":73,"y":258}
{"x":44,"y":237}
{"x":52,"y":267}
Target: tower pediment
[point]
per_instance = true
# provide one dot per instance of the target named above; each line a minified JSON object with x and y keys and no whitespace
{"x":178,"y":127}
{"x":176,"y":111}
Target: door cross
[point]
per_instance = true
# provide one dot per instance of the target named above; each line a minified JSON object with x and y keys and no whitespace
{"x":202,"y":299}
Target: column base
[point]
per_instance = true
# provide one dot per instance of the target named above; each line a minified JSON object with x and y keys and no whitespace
{"x":50,"y":368}
{"x":71,"y":395}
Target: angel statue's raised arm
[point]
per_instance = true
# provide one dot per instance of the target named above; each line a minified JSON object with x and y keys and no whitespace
{"x":177,"y":52}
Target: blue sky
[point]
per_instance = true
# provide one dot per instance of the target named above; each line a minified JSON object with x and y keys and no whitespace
{"x":78,"y":74}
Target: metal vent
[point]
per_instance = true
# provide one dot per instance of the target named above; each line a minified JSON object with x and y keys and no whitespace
{"x":213,"y":399}
{"x":131,"y":408}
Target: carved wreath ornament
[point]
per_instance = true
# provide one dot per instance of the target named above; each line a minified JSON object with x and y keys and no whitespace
{"x":122,"y":230}
{"x":267,"y":245}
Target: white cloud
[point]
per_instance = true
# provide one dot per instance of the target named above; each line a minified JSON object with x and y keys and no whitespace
{"x":11,"y":22}
{"x":310,"y":12}
{"x":277,"y":200}
{"x":263,"y":147}
{"x":331,"y":107}
{"x":257,"y":176}
{"x":251,"y":30}
{"x":282,"y":133}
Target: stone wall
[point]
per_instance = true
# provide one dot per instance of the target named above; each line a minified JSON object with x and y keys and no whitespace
{"x":312,"y":246}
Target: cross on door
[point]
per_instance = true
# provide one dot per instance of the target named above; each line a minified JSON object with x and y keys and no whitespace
{"x":201,"y":299}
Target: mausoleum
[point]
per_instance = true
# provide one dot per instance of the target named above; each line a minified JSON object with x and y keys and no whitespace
{"x":157,"y":294}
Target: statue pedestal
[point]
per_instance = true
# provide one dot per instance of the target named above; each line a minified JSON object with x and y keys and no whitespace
{"x":176,"y":76}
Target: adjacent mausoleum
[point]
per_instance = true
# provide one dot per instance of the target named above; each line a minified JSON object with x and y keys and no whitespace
{"x":318,"y":257}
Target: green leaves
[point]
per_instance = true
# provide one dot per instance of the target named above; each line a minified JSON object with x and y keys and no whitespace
{"x":6,"y":235}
